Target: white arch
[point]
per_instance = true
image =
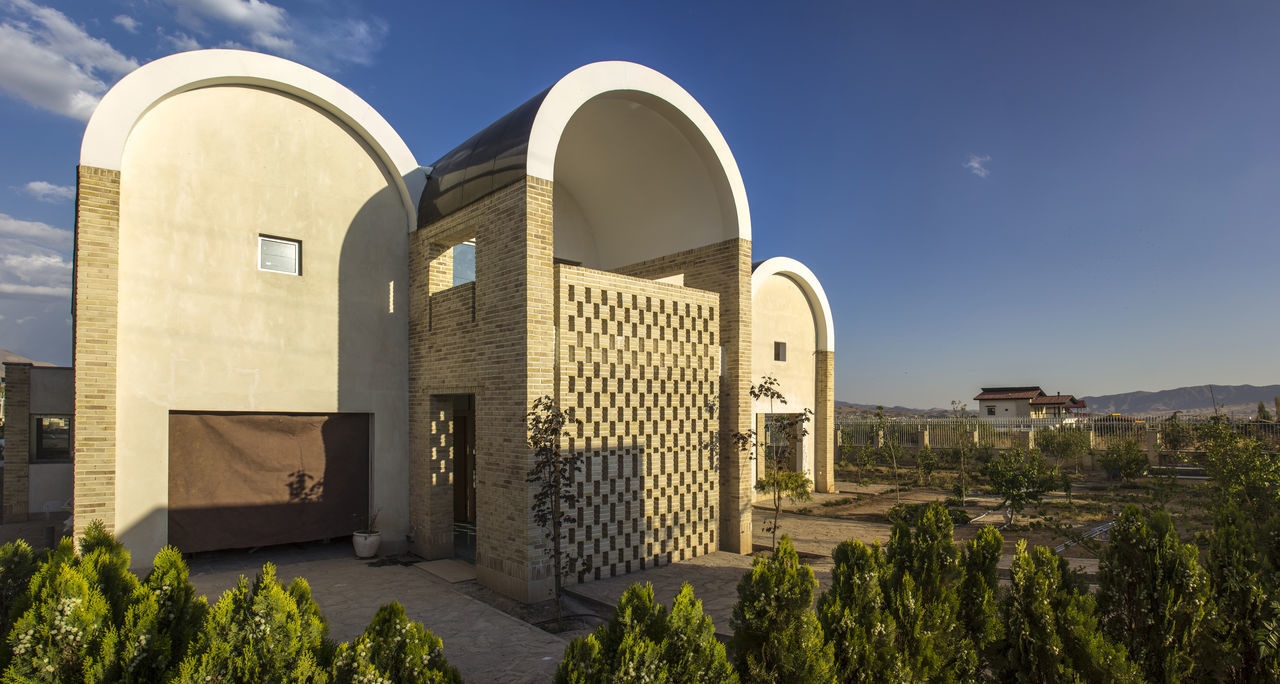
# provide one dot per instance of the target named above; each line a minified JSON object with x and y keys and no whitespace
{"x":130,"y":99}
{"x":812,"y":289}
{"x":586,"y":82}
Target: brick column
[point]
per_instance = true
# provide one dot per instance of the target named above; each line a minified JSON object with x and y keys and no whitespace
{"x":824,"y":423}
{"x":17,"y":440}
{"x":737,"y":488}
{"x":94,"y":311}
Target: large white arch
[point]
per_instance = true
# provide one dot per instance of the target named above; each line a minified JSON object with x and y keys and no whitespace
{"x":812,"y":288}
{"x":130,"y":99}
{"x":583,"y":84}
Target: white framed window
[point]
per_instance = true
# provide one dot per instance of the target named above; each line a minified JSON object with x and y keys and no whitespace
{"x":279,"y":255}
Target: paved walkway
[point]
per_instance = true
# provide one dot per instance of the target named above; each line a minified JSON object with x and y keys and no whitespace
{"x":486,"y":644}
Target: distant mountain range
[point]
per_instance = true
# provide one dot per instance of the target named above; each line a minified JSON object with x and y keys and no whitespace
{"x":1238,"y":400}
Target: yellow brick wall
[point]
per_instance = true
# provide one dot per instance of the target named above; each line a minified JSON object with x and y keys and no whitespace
{"x":94,"y":348}
{"x":824,"y":472}
{"x":639,"y":366}
{"x":17,"y":441}
{"x":724,"y":268}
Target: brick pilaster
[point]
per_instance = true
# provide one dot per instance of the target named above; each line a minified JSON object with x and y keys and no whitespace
{"x":824,"y":466}
{"x":94,"y":311}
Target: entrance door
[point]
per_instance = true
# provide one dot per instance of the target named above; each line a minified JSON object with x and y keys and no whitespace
{"x":464,"y":478}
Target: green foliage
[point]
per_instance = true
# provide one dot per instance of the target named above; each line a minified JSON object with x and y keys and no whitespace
{"x":258,"y":632}
{"x":1152,"y":594}
{"x":394,"y":648}
{"x":1263,"y":413}
{"x":926,"y":463}
{"x":776,"y":635}
{"x":163,"y":619}
{"x":1051,"y":628}
{"x":66,"y":635}
{"x":979,"y":609}
{"x":1176,"y":435}
{"x":891,"y":448}
{"x":854,"y":617}
{"x":1063,"y":445}
{"x":785,"y":433}
{"x":1019,"y":478}
{"x":1242,"y":581}
{"x":17,"y":565}
{"x":1244,"y":474}
{"x":554,"y":472}
{"x":644,"y":643}
{"x":1125,"y":460}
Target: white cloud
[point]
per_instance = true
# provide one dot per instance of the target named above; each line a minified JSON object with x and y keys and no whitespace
{"x":129,"y":23}
{"x":326,"y":43}
{"x":25,"y":319}
{"x":34,"y":233}
{"x":35,"y":275}
{"x":179,"y":41}
{"x":51,"y":62}
{"x":975,"y":164}
{"x":48,"y":192}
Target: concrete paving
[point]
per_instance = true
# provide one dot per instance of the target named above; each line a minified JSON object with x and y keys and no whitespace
{"x":486,"y":644}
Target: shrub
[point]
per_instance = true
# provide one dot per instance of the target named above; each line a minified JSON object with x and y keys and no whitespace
{"x":1241,"y":582}
{"x":854,"y":617}
{"x":259,"y":632}
{"x":163,"y":620}
{"x":644,"y":643}
{"x":776,"y":635}
{"x":393,"y":649}
{"x":979,"y":611}
{"x":17,"y":565}
{"x":1125,"y":460}
{"x":66,"y":635}
{"x":1051,"y":628}
{"x":1152,"y":594}
{"x":1020,"y":478}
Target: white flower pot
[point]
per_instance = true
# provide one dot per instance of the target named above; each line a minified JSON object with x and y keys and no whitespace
{"x":366,"y":543}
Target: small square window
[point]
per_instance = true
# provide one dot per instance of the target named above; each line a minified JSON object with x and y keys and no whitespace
{"x":52,"y":438}
{"x":280,"y":255}
{"x":779,"y":351}
{"x":991,"y":410}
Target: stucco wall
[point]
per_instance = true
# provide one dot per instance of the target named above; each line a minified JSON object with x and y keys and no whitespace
{"x":204,"y":173}
{"x":52,"y":390}
{"x":782,"y":313}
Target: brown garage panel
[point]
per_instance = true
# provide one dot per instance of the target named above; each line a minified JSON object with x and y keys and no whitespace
{"x":239,"y":480}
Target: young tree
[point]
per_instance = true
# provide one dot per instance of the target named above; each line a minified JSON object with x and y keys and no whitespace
{"x":1051,"y":628}
{"x":776,"y":635}
{"x":1263,"y":414}
{"x":645,"y":643}
{"x":554,"y":472}
{"x":1241,"y":582}
{"x":394,"y":648}
{"x":785,"y":433}
{"x":965,"y":450}
{"x":1175,"y":435}
{"x":1020,"y":478}
{"x":1152,"y":594}
{"x":890,"y":446}
{"x":1063,"y":444}
{"x":1126,"y":460}
{"x":926,"y":463}
{"x":1243,"y":473}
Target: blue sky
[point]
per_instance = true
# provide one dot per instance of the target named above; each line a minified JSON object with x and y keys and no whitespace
{"x":1080,"y":195}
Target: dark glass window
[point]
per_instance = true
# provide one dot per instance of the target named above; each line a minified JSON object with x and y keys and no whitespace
{"x":779,"y":351}
{"x":52,"y":438}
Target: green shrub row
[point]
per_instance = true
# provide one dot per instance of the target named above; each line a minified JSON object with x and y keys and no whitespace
{"x":84,"y":617}
{"x":923,"y":608}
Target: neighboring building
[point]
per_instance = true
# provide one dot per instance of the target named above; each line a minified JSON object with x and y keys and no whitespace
{"x":272,"y":340}
{"x":1025,"y":402}
{"x":39,"y":424}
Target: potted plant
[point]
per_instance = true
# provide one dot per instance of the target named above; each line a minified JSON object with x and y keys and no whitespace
{"x":367,"y":540}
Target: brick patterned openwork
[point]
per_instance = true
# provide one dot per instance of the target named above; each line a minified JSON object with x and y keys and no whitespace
{"x":638,"y":363}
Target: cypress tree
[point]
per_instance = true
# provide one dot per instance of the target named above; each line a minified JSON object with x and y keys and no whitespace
{"x":776,"y":635}
{"x":855,"y":619}
{"x":979,"y":610}
{"x":1241,"y":582}
{"x":1152,"y":594}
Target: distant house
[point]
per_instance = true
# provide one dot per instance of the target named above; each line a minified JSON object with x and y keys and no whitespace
{"x":1025,"y":402}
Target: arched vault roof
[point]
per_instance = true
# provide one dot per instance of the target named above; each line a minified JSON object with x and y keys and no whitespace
{"x":130,"y":99}
{"x":813,"y":291}
{"x":526,"y":140}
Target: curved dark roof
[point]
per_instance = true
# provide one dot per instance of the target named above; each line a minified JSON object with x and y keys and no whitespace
{"x":489,"y":160}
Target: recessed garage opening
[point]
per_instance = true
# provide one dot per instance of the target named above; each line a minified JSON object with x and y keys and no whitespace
{"x":636,"y":180}
{"x":243,"y":480}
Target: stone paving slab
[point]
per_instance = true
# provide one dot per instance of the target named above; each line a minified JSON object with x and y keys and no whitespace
{"x":486,"y":644}
{"x":450,"y":570}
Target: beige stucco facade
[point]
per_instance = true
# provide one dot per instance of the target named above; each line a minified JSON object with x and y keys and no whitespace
{"x":629,"y":300}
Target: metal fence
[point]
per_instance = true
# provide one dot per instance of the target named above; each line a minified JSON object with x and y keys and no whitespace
{"x":1009,"y":433}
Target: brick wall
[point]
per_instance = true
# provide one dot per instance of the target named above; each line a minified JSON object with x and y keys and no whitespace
{"x":824,"y":472}
{"x":724,"y":268}
{"x":17,"y":441}
{"x":94,"y":348}
{"x":639,"y":365}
